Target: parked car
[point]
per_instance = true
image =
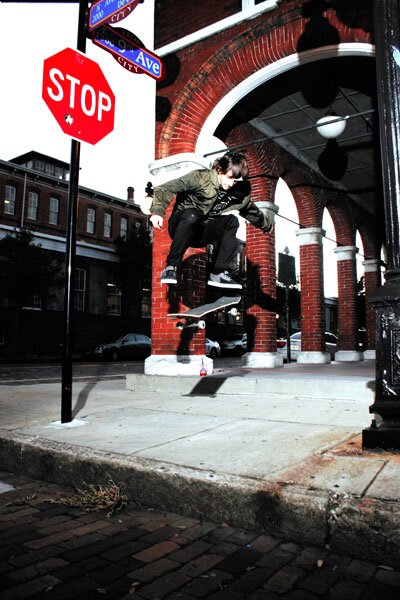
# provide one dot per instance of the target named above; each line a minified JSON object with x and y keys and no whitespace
{"x":331,"y":342}
{"x":131,"y":345}
{"x":213,"y":349}
{"x":235,"y":344}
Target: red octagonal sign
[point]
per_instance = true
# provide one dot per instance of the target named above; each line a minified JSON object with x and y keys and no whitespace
{"x":78,"y":95}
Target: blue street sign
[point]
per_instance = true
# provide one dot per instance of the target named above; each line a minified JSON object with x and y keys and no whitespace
{"x":123,"y":45}
{"x":110,"y":11}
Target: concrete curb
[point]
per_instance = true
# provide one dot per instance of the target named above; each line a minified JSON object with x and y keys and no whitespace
{"x":251,"y":385}
{"x":366,"y":528}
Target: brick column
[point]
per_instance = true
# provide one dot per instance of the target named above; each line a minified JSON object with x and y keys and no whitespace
{"x":372,"y":281}
{"x":176,"y":352}
{"x":261,"y":296}
{"x":312,"y":297}
{"x":347,"y":305}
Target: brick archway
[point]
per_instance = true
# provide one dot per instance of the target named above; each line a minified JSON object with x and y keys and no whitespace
{"x":239,"y":60}
{"x":222,"y":71}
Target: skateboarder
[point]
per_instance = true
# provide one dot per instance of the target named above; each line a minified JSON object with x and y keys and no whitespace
{"x":203,"y":197}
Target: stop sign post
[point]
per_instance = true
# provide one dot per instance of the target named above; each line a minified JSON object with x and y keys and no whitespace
{"x":78,"y":95}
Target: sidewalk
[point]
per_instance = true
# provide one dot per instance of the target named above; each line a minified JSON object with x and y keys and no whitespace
{"x":277,"y":451}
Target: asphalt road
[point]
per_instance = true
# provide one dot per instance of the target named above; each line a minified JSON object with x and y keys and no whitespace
{"x":50,"y":372}
{"x":31,"y":373}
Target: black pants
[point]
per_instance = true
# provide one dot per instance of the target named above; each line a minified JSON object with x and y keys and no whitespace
{"x":189,"y":228}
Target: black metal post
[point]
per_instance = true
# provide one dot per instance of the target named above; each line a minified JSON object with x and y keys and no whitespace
{"x":70,"y":251}
{"x":385,"y":431}
{"x":288,"y":348}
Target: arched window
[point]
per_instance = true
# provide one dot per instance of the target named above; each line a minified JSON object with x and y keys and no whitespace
{"x":9,"y":200}
{"x":91,"y":220}
{"x":123,"y":228}
{"x":33,"y":205}
{"x":54,"y":207}
{"x":107,"y":230}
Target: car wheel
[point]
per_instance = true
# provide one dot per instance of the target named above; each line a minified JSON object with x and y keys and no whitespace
{"x":213,"y":353}
{"x":114,"y":354}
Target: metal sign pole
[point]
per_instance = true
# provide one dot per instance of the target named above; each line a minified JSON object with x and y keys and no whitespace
{"x":70,"y":251}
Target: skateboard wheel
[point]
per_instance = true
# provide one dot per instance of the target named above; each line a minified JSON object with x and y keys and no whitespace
{"x":201,"y":324}
{"x":180,"y":326}
{"x":233,"y":312}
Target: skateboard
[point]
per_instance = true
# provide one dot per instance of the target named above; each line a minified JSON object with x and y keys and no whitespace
{"x":194,"y":316}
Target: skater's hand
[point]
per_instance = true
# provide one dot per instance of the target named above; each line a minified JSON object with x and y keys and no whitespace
{"x":268,"y":228}
{"x":156,"y":221}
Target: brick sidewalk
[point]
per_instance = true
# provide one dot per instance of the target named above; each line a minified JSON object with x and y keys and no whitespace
{"x":49,"y":550}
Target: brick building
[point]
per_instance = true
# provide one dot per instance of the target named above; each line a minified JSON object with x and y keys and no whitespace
{"x":34,"y":192}
{"x":217,"y":57}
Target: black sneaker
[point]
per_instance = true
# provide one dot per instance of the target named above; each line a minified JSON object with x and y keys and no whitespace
{"x":169,"y":275}
{"x":224,"y":280}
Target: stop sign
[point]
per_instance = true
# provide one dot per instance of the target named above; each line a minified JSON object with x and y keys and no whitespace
{"x":78,"y":95}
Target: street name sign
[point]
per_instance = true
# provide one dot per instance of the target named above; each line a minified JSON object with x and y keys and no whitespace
{"x":110,"y":11}
{"x":123,"y":45}
{"x":78,"y":95}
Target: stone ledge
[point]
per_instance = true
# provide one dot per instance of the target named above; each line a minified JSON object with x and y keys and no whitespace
{"x":171,"y":365}
{"x":251,"y":385}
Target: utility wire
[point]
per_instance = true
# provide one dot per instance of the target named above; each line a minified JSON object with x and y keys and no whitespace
{"x":287,"y":133}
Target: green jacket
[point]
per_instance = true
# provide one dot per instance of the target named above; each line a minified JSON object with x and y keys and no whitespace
{"x":199,"y":189}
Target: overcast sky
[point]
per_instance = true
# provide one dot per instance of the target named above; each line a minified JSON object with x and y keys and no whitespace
{"x":31,"y":33}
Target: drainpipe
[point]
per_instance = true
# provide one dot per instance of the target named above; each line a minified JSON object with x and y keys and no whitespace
{"x":23,"y":203}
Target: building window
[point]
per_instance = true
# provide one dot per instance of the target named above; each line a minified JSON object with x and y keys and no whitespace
{"x":107,"y":224}
{"x":123,"y":228}
{"x":58,"y":172}
{"x":91,"y":220}
{"x":80,"y":289}
{"x":33,"y":204}
{"x":54,"y":207}
{"x":113,"y":299}
{"x":9,"y":200}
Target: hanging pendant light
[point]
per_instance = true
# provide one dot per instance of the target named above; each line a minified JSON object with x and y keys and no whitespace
{"x":331,"y":126}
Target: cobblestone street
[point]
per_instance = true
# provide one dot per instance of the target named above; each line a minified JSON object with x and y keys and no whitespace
{"x":52,"y":550}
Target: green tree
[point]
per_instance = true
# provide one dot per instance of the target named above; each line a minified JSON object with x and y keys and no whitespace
{"x":26,"y":270}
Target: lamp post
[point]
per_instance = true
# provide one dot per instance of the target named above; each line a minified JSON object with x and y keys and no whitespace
{"x":385,"y":434}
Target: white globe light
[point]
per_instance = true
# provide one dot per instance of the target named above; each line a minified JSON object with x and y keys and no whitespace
{"x":331,"y":126}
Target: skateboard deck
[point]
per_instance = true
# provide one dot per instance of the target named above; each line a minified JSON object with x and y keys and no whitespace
{"x":193,"y":316}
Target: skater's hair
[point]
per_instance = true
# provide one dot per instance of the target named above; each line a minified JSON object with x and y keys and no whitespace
{"x":232,"y":161}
